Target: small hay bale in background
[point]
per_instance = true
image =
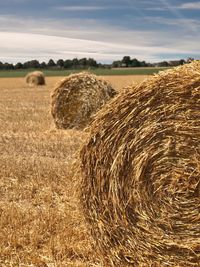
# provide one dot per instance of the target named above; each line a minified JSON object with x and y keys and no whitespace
{"x":76,"y":98}
{"x":141,"y":173}
{"x":35,"y":78}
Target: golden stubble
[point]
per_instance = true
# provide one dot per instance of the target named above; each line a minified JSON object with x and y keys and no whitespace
{"x":40,"y":221}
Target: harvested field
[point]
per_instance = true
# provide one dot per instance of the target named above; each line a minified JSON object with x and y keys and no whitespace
{"x":40,"y":221}
{"x":118,"y":82}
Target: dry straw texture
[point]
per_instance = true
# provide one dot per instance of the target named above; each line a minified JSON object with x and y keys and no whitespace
{"x":35,"y":78}
{"x":141,"y":169}
{"x":76,"y":98}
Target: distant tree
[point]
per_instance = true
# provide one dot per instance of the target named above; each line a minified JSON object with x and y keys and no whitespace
{"x":43,"y":65}
{"x":51,"y":63}
{"x":75,"y":63}
{"x":83,"y":62}
{"x":135,"y":63}
{"x":25,"y":65}
{"x":143,"y":64}
{"x":18,"y":66}
{"x":126,"y":61}
{"x":60,"y":63}
{"x":67,"y":64}
{"x":34,"y":64}
{"x":116,"y":64}
{"x":182,"y":62}
{"x":163,"y":64}
{"x":8,"y":66}
{"x":1,"y":65}
{"x":92,"y":63}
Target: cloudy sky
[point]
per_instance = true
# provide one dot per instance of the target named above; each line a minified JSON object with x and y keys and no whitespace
{"x":150,"y":30}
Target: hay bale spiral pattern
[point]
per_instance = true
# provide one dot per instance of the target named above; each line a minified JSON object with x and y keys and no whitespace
{"x":35,"y":78}
{"x":77,"y":98}
{"x":141,"y":173}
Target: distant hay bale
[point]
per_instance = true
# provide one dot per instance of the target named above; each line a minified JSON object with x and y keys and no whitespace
{"x":35,"y":78}
{"x":77,"y":98}
{"x":141,"y":173}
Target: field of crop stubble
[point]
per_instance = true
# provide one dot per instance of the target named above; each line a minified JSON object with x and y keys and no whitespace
{"x":40,"y":221}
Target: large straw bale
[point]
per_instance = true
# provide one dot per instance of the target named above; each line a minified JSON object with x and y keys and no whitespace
{"x":77,"y":98}
{"x":35,"y":78}
{"x":141,"y":173}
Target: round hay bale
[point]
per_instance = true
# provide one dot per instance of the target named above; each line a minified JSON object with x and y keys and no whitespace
{"x":141,"y":173}
{"x":35,"y":78}
{"x":76,"y":98}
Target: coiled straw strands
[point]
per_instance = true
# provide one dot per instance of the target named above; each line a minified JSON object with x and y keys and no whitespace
{"x":77,"y":98}
{"x":141,"y":173}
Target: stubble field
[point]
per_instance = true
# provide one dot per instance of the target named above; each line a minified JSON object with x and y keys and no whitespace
{"x":41,"y":223}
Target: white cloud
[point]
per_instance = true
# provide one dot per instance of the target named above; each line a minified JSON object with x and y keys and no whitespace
{"x":80,"y":8}
{"x":157,"y":8}
{"x":23,"y":46}
{"x":28,"y":39}
{"x":167,"y":6}
{"x":190,"y":5}
{"x":126,"y":5}
{"x":86,"y":29}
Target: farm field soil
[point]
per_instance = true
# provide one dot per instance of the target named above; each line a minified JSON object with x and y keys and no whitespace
{"x":118,"y":82}
{"x":41,"y":224}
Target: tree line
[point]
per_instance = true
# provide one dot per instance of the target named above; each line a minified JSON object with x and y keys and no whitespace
{"x":59,"y":64}
{"x":85,"y":63}
{"x":128,"y":62}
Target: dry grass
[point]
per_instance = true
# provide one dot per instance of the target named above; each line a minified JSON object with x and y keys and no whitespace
{"x":40,"y":223}
{"x":141,"y":173}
